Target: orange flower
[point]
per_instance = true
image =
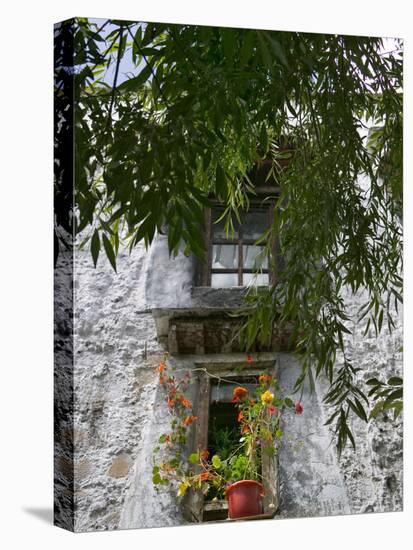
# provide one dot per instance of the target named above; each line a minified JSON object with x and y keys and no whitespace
{"x":167,"y":439}
{"x":185,"y":402}
{"x":264,"y":379}
{"x":204,"y":476}
{"x":249,"y":359}
{"x":189,"y":419}
{"x":162,"y":379}
{"x":239,"y":394}
{"x":240,"y":416}
{"x":245,"y":430}
{"x":161,"y":367}
{"x":171,"y":403}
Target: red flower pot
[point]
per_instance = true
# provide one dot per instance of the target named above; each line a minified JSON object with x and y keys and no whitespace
{"x":245,"y":499}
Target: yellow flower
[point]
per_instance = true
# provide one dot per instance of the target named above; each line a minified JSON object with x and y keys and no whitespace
{"x":267,"y":397}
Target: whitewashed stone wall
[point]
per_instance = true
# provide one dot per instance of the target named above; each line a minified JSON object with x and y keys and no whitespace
{"x":374,"y":472}
{"x":119,"y":410}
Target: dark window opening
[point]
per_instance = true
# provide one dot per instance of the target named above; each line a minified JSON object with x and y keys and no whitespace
{"x":223,"y":435}
{"x":217,"y":430}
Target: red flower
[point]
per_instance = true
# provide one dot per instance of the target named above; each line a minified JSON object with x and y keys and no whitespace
{"x":167,"y":439}
{"x":264,"y":378}
{"x":272,"y":410}
{"x":239,"y":394}
{"x":162,"y":379}
{"x":299,"y":407}
{"x":171,"y":403}
{"x":249,"y":359}
{"x":189,"y":419}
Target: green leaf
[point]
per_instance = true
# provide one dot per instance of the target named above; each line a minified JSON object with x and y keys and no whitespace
{"x":395,"y":381}
{"x":109,"y":251}
{"x":228,"y":37}
{"x":156,"y":479}
{"x":265,"y":53}
{"x":221,"y":182}
{"x":373,"y":382}
{"x":134,"y":84}
{"x":358,"y":408}
{"x":95,"y":246}
{"x":381,"y":319}
{"x":376,"y":409}
{"x":216,"y":462}
{"x":264,"y":139}
{"x":278,"y":49}
{"x":193,"y":458}
{"x":247,"y":47}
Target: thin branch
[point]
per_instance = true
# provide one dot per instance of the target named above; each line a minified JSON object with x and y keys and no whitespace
{"x":115,"y":79}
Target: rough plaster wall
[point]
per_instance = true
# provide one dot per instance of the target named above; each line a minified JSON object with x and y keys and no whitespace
{"x":63,"y":391}
{"x":311,"y":483}
{"x":118,"y":416}
{"x":115,"y":354}
{"x":374,"y":472}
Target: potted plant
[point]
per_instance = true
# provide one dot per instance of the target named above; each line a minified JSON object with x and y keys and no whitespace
{"x":236,"y":472}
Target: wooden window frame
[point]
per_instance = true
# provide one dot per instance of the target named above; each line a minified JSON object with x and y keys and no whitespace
{"x":194,"y":501}
{"x":206,"y":271}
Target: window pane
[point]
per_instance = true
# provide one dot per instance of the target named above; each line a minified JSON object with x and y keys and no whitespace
{"x":224,"y":280}
{"x":255,"y":280}
{"x":253,"y":258}
{"x":218,"y":229}
{"x":254,"y":224}
{"x":224,"y":256}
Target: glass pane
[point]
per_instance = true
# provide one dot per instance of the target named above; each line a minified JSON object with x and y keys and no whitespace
{"x":224,"y":280}
{"x":218,"y":229}
{"x":253,"y":257}
{"x":253,"y":279}
{"x":254,"y":224}
{"x":224,"y":256}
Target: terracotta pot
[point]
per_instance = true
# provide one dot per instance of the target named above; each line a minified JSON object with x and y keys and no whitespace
{"x":245,"y":499}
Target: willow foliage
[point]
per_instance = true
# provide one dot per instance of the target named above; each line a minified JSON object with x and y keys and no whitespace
{"x":197,"y":108}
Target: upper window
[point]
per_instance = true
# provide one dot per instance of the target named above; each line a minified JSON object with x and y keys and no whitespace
{"x":236,"y":259}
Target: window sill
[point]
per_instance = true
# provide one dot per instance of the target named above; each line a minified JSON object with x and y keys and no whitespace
{"x":217,"y":512}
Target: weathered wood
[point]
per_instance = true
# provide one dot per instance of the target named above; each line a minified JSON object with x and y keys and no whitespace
{"x":194,"y":503}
